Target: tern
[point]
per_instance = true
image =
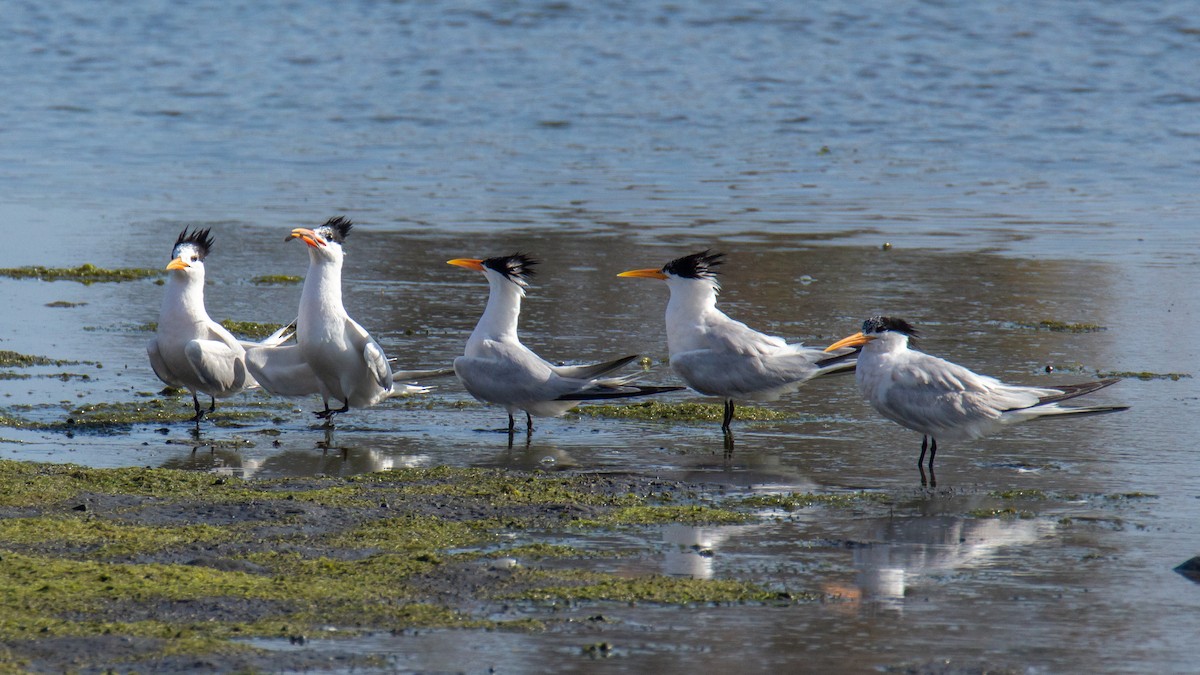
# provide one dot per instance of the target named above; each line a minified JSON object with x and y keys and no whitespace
{"x":333,"y":356}
{"x":189,"y":349}
{"x":496,"y":368}
{"x":943,"y":400}
{"x":718,"y":356}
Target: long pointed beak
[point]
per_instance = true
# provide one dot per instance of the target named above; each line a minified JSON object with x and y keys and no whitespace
{"x":856,"y":340}
{"x":648,"y":274}
{"x":469,"y":263}
{"x":311,"y":238}
{"x":177,"y":264}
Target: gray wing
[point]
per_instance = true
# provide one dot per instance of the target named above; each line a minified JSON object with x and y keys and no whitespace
{"x":507,"y":381}
{"x":160,"y":366}
{"x":723,"y":373}
{"x":282,"y":371}
{"x":935,"y":396}
{"x":372,"y":353}
{"x":217,"y":365}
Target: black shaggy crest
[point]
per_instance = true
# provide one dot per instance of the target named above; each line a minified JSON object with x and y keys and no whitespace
{"x":695,"y":266}
{"x":879,"y":324}
{"x":337,"y":228}
{"x":518,"y":266}
{"x":201,"y":239}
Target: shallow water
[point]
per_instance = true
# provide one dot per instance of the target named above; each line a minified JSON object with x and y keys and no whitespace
{"x":1026,"y":163}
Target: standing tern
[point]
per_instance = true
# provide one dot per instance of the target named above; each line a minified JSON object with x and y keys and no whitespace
{"x":497,"y":368}
{"x":718,"y":356}
{"x":333,"y":356}
{"x":943,"y":400}
{"x":190,"y":350}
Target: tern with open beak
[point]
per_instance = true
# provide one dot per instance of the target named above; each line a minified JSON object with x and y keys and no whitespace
{"x":943,"y":400}
{"x":333,"y":356}
{"x":718,"y":356}
{"x":189,"y":349}
{"x":497,"y":368}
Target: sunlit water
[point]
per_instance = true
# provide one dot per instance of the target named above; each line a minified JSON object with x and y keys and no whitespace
{"x":1027,"y":162}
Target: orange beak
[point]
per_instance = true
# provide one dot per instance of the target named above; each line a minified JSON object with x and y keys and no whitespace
{"x":311,"y":238}
{"x":856,"y":340}
{"x":177,"y":264}
{"x":469,"y":263}
{"x":647,"y":274}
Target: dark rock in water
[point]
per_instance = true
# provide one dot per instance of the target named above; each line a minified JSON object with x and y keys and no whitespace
{"x":1190,"y":569}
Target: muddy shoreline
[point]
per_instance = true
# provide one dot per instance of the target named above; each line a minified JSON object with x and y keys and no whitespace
{"x":155,"y":570}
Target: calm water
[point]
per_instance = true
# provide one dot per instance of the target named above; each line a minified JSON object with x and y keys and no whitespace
{"x":1026,"y":161}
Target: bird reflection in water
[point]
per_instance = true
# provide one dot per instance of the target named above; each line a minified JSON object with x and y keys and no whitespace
{"x":691,"y":550}
{"x":903,"y":551}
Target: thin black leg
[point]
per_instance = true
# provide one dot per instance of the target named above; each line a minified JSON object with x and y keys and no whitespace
{"x":199,"y":412}
{"x":728,"y":419}
{"x":328,"y":414}
{"x":528,"y":424}
{"x":932,"y":453}
{"x":512,"y":425}
{"x":924,"y":445}
{"x":213,"y":405}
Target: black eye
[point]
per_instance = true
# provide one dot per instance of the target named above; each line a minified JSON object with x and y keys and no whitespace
{"x":195,"y":258}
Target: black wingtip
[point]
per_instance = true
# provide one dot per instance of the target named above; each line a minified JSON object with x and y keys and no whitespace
{"x":625,"y":391}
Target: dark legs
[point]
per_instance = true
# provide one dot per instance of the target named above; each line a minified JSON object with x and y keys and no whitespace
{"x":925,"y":442}
{"x":728,"y":419}
{"x":200,"y":411}
{"x":512,"y":426}
{"x":328,"y":414}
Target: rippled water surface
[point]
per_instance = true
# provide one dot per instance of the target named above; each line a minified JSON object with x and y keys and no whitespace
{"x":1025,"y":161}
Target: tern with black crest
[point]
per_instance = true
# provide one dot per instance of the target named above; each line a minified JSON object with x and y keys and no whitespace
{"x":943,"y":400}
{"x":333,"y":356}
{"x":496,"y":368}
{"x":189,"y":349}
{"x":718,"y":356}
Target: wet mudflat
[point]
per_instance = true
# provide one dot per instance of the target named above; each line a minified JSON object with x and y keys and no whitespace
{"x":1032,"y":166}
{"x":624,"y":538}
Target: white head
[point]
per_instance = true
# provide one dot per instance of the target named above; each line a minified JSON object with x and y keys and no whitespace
{"x":187,"y":257}
{"x":696,"y":271}
{"x":325,"y":242}
{"x":880,"y":332}
{"x":502,"y":271}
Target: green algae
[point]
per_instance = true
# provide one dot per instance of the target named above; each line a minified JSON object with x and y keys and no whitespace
{"x":86,"y":273}
{"x":26,"y":484}
{"x":11,"y":359}
{"x":1144,"y":375}
{"x":1029,"y":493}
{"x":654,"y":515}
{"x":796,"y":501}
{"x":250,"y":329}
{"x":102,"y":539}
{"x":312,"y":553}
{"x":1006,"y":512}
{"x":276,"y":279}
{"x":577,"y":585}
{"x":678,"y":412}
{"x":408,"y":534}
{"x":1060,"y":326}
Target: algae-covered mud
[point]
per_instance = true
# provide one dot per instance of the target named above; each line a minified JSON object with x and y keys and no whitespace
{"x":155,"y":570}
{"x":416,"y":536}
{"x":1022,"y":190}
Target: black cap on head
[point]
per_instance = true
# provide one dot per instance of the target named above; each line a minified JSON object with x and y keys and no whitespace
{"x":695,"y":266}
{"x":881,"y":324}
{"x":518,"y":266}
{"x":338,"y":228}
{"x":201,"y":239}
